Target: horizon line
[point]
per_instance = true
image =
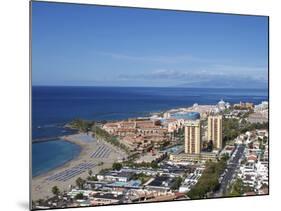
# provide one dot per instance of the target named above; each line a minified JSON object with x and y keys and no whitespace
{"x":261,"y":88}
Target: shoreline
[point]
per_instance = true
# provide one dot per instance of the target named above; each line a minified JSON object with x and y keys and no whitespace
{"x":66,"y":138}
{"x":42,"y":185}
{"x":61,"y":138}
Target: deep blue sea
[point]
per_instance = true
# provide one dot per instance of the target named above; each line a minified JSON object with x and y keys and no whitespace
{"x":52,"y":107}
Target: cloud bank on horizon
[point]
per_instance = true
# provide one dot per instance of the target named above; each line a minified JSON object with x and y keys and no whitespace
{"x":79,"y":45}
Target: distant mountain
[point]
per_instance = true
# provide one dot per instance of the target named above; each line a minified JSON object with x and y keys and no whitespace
{"x":234,"y":83}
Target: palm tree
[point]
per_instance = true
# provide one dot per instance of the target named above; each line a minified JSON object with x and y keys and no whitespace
{"x":40,"y":201}
{"x":79,"y":196}
{"x":55,"y":191}
{"x":80,"y":182}
{"x":33,"y":204}
{"x":90,"y":172}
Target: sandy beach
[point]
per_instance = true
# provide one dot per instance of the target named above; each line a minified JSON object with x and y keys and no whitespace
{"x":93,"y":152}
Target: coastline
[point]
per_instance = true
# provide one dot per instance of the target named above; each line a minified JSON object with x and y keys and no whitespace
{"x":64,"y":139}
{"x":41,"y":185}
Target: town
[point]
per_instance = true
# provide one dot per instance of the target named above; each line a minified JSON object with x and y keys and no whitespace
{"x":202,"y":151}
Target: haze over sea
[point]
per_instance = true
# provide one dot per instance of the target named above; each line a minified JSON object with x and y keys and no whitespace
{"x":53,"y":107}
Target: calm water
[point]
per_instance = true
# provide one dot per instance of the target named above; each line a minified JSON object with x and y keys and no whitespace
{"x":52,"y":107}
{"x":51,"y":154}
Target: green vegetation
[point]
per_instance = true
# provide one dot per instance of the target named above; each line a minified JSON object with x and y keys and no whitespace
{"x":154,"y":165}
{"x":105,"y":170}
{"x":133,"y":156}
{"x":208,"y":181}
{"x":265,"y":140}
{"x":264,"y":186}
{"x":39,"y":201}
{"x":81,"y":125}
{"x":233,"y":128}
{"x":226,"y":111}
{"x":142,"y":177}
{"x":252,"y":126}
{"x":79,"y":196}
{"x":91,"y":177}
{"x":105,"y":136}
{"x":116,"y":166}
{"x":246,"y":115}
{"x":225,"y":156}
{"x":177,"y":183}
{"x":230,"y":129}
{"x":80,"y":182}
{"x":55,"y":190}
{"x":238,"y":189}
{"x":132,"y":164}
{"x":180,"y":132}
{"x":178,"y":135}
{"x":244,"y":161}
{"x":164,"y":145}
{"x":261,"y":144}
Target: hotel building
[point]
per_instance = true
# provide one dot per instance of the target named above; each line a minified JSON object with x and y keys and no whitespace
{"x":215,"y":131}
{"x":192,"y":137}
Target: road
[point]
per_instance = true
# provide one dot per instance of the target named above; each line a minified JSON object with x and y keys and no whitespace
{"x":230,"y":171}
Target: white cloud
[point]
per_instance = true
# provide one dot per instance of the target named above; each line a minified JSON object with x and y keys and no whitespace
{"x":157,"y":59}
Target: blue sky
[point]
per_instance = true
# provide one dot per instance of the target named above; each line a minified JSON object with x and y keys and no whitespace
{"x":74,"y":45}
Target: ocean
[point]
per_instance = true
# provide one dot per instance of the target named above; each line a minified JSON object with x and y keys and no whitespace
{"x":53,"y":107}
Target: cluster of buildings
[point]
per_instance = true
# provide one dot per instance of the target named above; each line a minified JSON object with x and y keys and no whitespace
{"x":139,"y":134}
{"x":176,"y":119}
{"x":222,"y":106}
{"x":203,"y":110}
{"x":191,"y":180}
{"x":254,"y":166}
{"x":239,"y":110}
{"x":193,"y":140}
{"x":235,"y":114}
{"x":144,"y":184}
{"x":260,"y":114}
{"x":228,"y":150}
{"x":263,"y":106}
{"x":244,"y":106}
{"x":200,"y":124}
{"x":257,"y":113}
{"x":129,"y":186}
{"x":147,"y":134}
